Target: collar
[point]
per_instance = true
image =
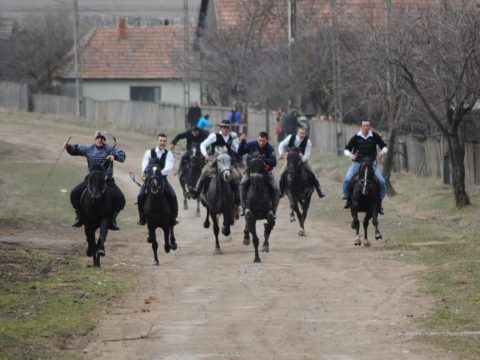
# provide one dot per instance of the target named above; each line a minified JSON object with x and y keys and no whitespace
{"x":365,"y":137}
{"x":157,"y":149}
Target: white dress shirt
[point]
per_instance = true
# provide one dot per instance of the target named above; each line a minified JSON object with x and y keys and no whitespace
{"x":168,"y":161}
{"x":284,"y":144}
{"x":213,"y":137}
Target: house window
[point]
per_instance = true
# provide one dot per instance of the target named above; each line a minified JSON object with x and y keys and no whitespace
{"x":145,"y":93}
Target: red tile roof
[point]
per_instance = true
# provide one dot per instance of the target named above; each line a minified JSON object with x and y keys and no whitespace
{"x":151,"y":52}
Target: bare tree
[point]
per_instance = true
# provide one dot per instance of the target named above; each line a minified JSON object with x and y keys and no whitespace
{"x":440,"y":62}
{"x":37,"y":48}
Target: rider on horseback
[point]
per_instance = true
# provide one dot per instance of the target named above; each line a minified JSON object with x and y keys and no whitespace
{"x":194,"y":135}
{"x":361,"y":146}
{"x":165,"y":160}
{"x":260,"y":148}
{"x":97,"y":154}
{"x":302,"y":143}
{"x":221,"y":139}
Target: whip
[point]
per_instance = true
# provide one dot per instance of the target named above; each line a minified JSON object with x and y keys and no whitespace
{"x":53,"y":167}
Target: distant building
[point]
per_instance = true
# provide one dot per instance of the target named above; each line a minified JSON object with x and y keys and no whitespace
{"x":138,"y":63}
{"x":7,"y":27}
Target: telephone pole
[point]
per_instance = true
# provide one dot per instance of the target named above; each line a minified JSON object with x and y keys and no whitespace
{"x":186,"y":57}
{"x":337,"y":89}
{"x":292,"y":28}
{"x":78,"y":78}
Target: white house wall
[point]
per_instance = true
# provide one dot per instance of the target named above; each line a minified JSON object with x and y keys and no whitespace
{"x":171,"y":91}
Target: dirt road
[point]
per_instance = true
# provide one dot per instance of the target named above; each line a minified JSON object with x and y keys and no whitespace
{"x":313,"y":297}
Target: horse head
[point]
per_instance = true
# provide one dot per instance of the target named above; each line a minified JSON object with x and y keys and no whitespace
{"x":294,"y":160}
{"x":196,"y":157}
{"x":96,"y":182}
{"x":154,"y":181}
{"x":366,"y":175}
{"x":256,"y":169}
{"x":224,"y":164}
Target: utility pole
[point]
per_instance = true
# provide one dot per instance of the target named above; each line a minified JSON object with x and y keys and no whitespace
{"x":337,"y":90}
{"x":292,"y":28}
{"x":78,"y":78}
{"x":186,"y":59}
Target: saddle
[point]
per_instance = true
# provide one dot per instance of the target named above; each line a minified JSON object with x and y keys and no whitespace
{"x":354,"y":180}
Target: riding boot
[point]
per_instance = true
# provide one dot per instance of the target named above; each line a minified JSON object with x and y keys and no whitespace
{"x":113,"y":221}
{"x":198,"y":189}
{"x":320,"y":192}
{"x":380,"y":208}
{"x":79,"y":218}
{"x":237,"y":200}
{"x":348,"y":204}
{"x":282,"y":185}
{"x":243,"y":197}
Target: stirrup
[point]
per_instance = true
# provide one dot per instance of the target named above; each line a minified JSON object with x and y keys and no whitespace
{"x":347,"y":205}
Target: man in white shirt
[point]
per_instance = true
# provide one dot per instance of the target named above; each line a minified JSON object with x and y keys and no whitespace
{"x":166,"y":161}
{"x":303,"y":143}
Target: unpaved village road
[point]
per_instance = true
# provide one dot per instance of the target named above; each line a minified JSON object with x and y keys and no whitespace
{"x":314,"y":297}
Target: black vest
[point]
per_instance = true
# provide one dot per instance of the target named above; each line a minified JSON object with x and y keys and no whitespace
{"x":302,"y":146}
{"x":153,"y":155}
{"x":221,"y":142}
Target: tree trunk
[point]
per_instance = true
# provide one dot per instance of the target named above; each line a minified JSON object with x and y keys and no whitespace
{"x":456,"y":151}
{"x":388,"y":164}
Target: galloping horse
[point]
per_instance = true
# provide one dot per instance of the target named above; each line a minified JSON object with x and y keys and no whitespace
{"x":365,"y":198}
{"x":191,"y":173}
{"x":96,"y":207}
{"x":157,"y":210}
{"x":299,"y":188}
{"x":258,"y":206}
{"x":218,"y":197}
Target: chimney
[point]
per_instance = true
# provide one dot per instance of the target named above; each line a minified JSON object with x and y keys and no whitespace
{"x":122,"y":28}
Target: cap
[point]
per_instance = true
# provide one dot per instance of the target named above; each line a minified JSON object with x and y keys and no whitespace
{"x":225,"y":123}
{"x":100,"y":133}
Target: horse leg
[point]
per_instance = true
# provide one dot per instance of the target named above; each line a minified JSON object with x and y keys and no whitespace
{"x":185,"y":197}
{"x":305,"y":206}
{"x":226,"y":226}
{"x":255,"y":240}
{"x":268,"y":229}
{"x":103,"y":237}
{"x":292,"y":207}
{"x":366,"y":220}
{"x":206,"y":223}
{"x":166,"y":238}
{"x":216,"y":230}
{"x":198,"y":208}
{"x":301,"y":232}
{"x":152,"y":238}
{"x":92,"y":246}
{"x":378,"y":235}
{"x":356,"y":225}
{"x":246,"y":231}
{"x":173,"y":241}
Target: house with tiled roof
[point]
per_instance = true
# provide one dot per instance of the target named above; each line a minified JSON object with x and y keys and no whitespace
{"x":138,"y":63}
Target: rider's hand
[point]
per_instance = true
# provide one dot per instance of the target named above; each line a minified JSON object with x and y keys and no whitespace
{"x":352,"y":156}
{"x":207,"y":157}
{"x":66,"y":146}
{"x":110,"y":158}
{"x":243,"y":136}
{"x":381,"y":154}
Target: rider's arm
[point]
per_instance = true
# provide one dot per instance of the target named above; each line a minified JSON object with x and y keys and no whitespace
{"x":380,"y":143}
{"x":270,"y":157}
{"x":242,"y":148}
{"x":145,"y":160}
{"x":235,"y":142}
{"x":308,"y":151}
{"x":168,"y":164}
{"x":77,"y":150}
{"x":207,"y":142}
{"x":180,"y":136}
{"x":349,"y":147}
{"x":118,"y":154}
{"x":283,"y":145}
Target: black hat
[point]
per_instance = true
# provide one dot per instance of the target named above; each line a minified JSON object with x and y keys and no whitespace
{"x":225,"y":123}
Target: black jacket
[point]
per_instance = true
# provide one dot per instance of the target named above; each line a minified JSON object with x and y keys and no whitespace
{"x":190,"y":138}
{"x":365,"y":148}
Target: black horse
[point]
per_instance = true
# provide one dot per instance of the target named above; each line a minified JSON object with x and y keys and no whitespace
{"x":365,"y":198}
{"x":190,"y":174}
{"x":218,"y":198}
{"x":96,"y":207}
{"x":157,"y":210}
{"x":299,"y":188}
{"x":258,"y":206}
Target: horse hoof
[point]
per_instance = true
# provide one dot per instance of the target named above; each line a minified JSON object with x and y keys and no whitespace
{"x":225,"y":231}
{"x":167,"y":248}
{"x":378,"y":237}
{"x":257,"y":261}
{"x":292,"y":218}
{"x":173,"y":245}
{"x":206,"y":224}
{"x":156,"y":263}
{"x":89,"y":252}
{"x":358,"y":243}
{"x":301,"y":232}
{"x":218,"y":251}
{"x":265,"y":249}
{"x":246,"y":241}
{"x":366,"y":244}
{"x":101,"y":252}
{"x":353,"y":226}
{"x":149,"y":240}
